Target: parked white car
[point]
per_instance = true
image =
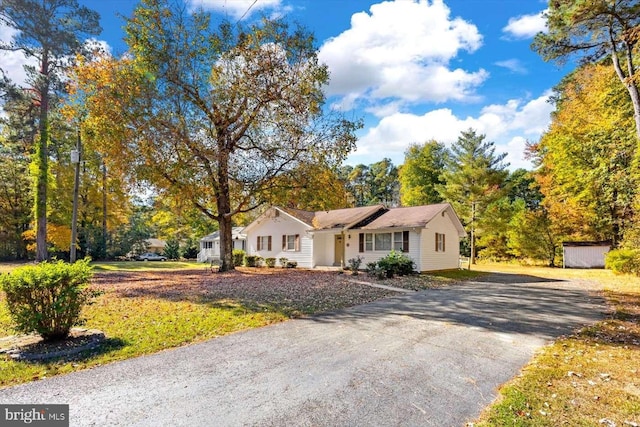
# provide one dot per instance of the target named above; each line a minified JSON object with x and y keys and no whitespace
{"x":150,"y":256}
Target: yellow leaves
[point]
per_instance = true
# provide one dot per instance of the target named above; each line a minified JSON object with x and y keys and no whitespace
{"x":59,"y":236}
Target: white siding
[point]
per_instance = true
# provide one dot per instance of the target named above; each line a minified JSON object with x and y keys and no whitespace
{"x":276,"y":228}
{"x":352,"y":250}
{"x":430,"y":260}
{"x":584,"y":256}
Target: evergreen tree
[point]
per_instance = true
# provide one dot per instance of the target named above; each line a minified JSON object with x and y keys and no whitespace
{"x":474,"y":178}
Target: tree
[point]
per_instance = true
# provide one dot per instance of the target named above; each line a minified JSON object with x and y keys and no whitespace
{"x":421,"y":173}
{"x":586,"y":158}
{"x":383,"y":183}
{"x":596,"y":29}
{"x":531,"y":234}
{"x":474,"y":178}
{"x":48,"y":31}
{"x":214,"y":116}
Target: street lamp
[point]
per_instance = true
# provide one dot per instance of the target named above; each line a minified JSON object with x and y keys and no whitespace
{"x":76,"y":155}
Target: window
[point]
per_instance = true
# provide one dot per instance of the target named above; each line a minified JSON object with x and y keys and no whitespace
{"x":264,"y":243}
{"x":207,"y":245}
{"x":368,"y":242}
{"x":440,"y":242}
{"x":291,"y":242}
{"x":401,"y":241}
{"x":384,"y":241}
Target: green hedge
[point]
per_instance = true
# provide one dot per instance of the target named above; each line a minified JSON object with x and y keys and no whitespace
{"x":47,"y":298}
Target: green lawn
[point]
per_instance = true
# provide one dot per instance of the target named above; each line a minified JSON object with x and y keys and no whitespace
{"x":146,"y":265}
{"x":590,"y":378}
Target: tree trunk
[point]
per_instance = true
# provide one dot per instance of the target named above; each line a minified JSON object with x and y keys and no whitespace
{"x":42,"y":160}
{"x":628,"y":80}
{"x":224,"y":210}
{"x":104,"y":209}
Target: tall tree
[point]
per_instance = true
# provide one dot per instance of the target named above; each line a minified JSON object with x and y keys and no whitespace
{"x":48,"y":31}
{"x":421,"y":173}
{"x":596,"y":29}
{"x":474,"y":178}
{"x":214,"y":115}
{"x":586,"y":158}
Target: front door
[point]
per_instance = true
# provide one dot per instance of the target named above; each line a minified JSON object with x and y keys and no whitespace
{"x":339,"y":250}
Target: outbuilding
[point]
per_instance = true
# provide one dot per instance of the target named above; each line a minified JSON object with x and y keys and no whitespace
{"x":586,"y":254}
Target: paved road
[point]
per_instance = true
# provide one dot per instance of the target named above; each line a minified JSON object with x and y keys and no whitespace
{"x":429,"y":358}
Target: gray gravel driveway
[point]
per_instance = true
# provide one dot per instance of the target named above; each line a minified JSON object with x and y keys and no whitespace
{"x":434,"y":357}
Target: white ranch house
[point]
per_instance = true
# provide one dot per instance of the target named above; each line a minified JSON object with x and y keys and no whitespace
{"x":210,"y":244}
{"x":429,"y":235}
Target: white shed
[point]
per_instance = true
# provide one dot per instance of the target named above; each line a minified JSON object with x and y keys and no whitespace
{"x":584,"y":254}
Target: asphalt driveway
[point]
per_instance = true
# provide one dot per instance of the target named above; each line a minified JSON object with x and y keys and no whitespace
{"x":430,"y":358}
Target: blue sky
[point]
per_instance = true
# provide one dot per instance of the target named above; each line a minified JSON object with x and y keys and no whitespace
{"x":414,"y":70}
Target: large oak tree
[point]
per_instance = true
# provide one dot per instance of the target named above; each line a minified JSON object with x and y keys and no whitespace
{"x":217,"y":115}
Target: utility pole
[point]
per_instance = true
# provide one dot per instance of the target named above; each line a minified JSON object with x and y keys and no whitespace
{"x":76,"y":156}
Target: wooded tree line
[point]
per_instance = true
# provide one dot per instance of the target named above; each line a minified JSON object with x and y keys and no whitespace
{"x":216,"y":120}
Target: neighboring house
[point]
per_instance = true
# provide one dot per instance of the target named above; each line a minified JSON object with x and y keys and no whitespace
{"x":584,"y":254}
{"x":429,"y":235}
{"x":155,"y":245}
{"x":210,"y":244}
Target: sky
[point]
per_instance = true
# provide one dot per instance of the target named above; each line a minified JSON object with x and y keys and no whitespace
{"x":412,"y":70}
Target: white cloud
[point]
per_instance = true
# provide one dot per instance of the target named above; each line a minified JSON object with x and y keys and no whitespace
{"x":12,"y":63}
{"x":401,"y":50}
{"x":513,"y":65}
{"x":526,"y":26}
{"x":236,"y":8}
{"x":508,"y":125}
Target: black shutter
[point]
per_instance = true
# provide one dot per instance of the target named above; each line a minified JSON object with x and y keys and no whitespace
{"x":361,"y":242}
{"x":405,"y":241}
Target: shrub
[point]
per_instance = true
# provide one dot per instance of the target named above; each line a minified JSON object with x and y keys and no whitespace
{"x":623,"y":261}
{"x":283,"y":261}
{"x":394,"y":264}
{"x":251,"y":260}
{"x":190,"y":250}
{"x":238,"y":257}
{"x":270,"y":262}
{"x":354,"y":264}
{"x":47,"y":298}
{"x":291,"y":264}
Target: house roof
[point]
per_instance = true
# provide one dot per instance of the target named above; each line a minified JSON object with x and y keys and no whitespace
{"x":156,"y":243}
{"x":366,"y":217}
{"x":343,"y":218}
{"x":415,"y":216}
{"x":235,"y":232}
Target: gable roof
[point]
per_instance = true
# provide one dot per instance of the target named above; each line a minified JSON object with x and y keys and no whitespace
{"x":236,"y":232}
{"x":415,"y":216}
{"x":366,"y":217}
{"x":343,"y":218}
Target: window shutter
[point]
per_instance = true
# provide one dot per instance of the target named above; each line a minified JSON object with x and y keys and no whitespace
{"x":284,"y":242}
{"x":258,"y":243}
{"x":437,"y":242}
{"x":443,"y":241}
{"x":361,"y":242}
{"x":405,"y":241}
{"x":269,"y":243}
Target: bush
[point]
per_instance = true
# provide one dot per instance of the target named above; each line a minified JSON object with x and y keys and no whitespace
{"x":47,"y":298}
{"x":251,"y":260}
{"x":271,"y":262}
{"x":623,"y":261}
{"x":354,"y":264}
{"x":394,"y":264}
{"x":283,"y":261}
{"x":291,"y":264}
{"x":190,"y":250}
{"x":238,"y":257}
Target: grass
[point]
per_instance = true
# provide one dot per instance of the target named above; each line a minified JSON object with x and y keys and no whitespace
{"x":146,"y":265}
{"x":590,"y":378}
